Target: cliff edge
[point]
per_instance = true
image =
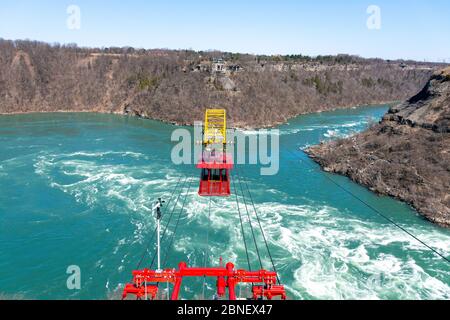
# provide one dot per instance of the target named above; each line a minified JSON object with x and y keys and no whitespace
{"x":177,"y":86}
{"x":406,"y":155}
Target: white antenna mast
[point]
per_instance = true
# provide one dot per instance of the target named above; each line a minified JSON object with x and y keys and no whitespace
{"x":157,"y":208}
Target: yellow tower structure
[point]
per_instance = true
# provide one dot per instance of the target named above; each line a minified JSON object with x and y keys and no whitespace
{"x":215,"y":127}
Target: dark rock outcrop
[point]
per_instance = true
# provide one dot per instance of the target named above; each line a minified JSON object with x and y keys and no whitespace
{"x":406,"y":155}
{"x":429,"y":108}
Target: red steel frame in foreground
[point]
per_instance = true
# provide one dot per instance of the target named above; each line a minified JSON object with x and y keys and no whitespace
{"x":264,"y":282}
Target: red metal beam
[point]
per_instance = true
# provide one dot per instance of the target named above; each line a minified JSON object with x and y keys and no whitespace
{"x":227,"y":277}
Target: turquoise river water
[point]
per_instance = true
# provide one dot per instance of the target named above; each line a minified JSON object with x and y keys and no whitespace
{"x":75,"y":189}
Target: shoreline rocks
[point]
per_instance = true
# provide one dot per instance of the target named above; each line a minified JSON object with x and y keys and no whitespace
{"x":406,"y":155}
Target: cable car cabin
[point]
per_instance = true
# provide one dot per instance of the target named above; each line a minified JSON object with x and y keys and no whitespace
{"x":215,"y":176}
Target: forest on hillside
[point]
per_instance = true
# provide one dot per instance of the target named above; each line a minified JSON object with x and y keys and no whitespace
{"x":178,"y":85}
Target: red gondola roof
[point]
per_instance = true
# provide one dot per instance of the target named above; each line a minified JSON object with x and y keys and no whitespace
{"x":218,"y":160}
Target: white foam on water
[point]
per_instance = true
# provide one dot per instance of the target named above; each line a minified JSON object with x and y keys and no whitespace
{"x":331,"y":134}
{"x":120,"y":243}
{"x":337,"y":256}
{"x":353,"y":124}
{"x":306,"y":146}
{"x":3,"y":172}
{"x":114,"y":186}
{"x":333,"y":130}
{"x":183,"y":244}
{"x":319,"y":251}
{"x":106,"y":153}
{"x":325,"y":256}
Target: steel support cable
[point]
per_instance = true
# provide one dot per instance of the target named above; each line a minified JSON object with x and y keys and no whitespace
{"x":176,"y":226}
{"x":207,"y":245}
{"x":381,"y":214}
{"x":250,"y":221}
{"x":170,"y":219}
{"x":242,"y":226}
{"x":179,"y":215}
{"x":155,"y":230}
{"x":262,"y":231}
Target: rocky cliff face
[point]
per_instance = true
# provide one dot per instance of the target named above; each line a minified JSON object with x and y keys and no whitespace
{"x":407,"y":155}
{"x":430,"y":108}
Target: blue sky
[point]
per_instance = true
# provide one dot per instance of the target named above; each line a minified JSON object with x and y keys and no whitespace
{"x":416,"y":29}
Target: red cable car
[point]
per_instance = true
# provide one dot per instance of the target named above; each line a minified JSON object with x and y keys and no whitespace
{"x":215,"y":176}
{"x":215,"y":166}
{"x":214,"y":182}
